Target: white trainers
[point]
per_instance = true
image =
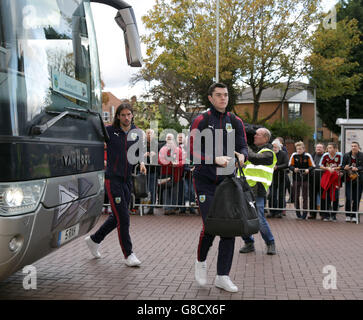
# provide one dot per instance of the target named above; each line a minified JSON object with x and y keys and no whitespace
{"x":225,"y":283}
{"x":132,"y":261}
{"x":201,"y":272}
{"x":93,"y":247}
{"x":354,"y":219}
{"x":347,"y":219}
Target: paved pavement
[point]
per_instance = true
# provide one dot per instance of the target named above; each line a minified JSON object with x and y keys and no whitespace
{"x":166,"y":245}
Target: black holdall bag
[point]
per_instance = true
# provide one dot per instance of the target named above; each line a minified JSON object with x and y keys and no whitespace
{"x":140,"y":185}
{"x":233,"y":211}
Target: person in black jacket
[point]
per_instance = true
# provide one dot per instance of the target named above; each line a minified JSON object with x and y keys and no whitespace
{"x":353,"y":166}
{"x":287,"y":179}
{"x":278,"y":188}
{"x":123,"y":134}
{"x":315,"y":190}
{"x":301,"y":164}
{"x":208,"y":175}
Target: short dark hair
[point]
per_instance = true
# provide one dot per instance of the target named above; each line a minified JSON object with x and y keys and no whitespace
{"x":356,"y":142}
{"x":214,"y":86}
{"x":333,"y":144}
{"x":122,"y":106}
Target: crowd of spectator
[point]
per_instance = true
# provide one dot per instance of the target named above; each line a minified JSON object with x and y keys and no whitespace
{"x":317,"y":179}
{"x":169,"y":176}
{"x":313,"y":179}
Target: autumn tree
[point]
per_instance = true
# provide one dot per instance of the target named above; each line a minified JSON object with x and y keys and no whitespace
{"x":273,"y":46}
{"x":337,"y":64}
{"x":262,"y":43}
{"x":145,"y":113}
{"x":181,"y":51}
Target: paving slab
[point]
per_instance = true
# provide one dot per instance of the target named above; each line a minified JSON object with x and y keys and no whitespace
{"x":307,"y":252}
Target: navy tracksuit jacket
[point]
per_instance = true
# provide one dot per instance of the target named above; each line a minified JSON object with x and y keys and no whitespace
{"x":206,"y":180}
{"x":118,"y":187}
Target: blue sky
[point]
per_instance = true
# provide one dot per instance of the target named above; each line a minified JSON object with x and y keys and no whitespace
{"x":114,"y":70}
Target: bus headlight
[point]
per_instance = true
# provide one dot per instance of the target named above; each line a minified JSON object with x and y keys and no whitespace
{"x":20,"y":197}
{"x":13,"y":197}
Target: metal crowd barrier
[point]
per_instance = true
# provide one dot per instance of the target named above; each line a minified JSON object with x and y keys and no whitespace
{"x":307,"y":195}
{"x":289,"y":192}
{"x":171,"y":191}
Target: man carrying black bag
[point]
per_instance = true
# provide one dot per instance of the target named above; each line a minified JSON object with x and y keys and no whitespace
{"x":259,"y":173}
{"x":218,"y":124}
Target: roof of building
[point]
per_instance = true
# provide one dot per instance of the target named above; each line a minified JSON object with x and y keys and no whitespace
{"x":298,"y":92}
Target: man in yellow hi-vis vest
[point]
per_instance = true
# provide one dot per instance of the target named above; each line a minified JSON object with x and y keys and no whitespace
{"x":259,"y":172}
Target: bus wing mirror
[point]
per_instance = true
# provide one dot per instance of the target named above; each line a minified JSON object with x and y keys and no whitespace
{"x":126,"y":20}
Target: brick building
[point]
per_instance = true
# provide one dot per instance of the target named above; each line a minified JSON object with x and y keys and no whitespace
{"x":109,"y":106}
{"x":298,"y":104}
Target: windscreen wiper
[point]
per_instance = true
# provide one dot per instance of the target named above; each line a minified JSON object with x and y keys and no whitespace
{"x":40,"y":129}
{"x":104,"y":133}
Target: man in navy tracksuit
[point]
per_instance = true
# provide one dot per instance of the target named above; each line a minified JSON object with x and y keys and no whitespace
{"x":206,"y":178}
{"x":118,"y":184}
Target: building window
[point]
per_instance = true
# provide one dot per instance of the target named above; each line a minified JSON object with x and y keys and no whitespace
{"x":106,"y":116}
{"x":294,"y":111}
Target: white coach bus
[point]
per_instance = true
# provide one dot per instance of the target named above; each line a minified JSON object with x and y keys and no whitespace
{"x":51,"y":130}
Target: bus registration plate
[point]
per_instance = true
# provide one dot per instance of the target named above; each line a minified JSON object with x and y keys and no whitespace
{"x":68,"y":234}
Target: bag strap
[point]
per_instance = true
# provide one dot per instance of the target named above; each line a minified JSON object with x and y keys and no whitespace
{"x":239,"y":166}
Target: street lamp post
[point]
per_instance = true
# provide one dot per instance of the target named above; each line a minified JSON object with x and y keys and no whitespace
{"x":217,"y":44}
{"x":315,"y":118}
{"x":347,"y":108}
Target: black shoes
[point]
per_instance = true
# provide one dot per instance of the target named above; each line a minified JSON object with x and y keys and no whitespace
{"x":248,"y":247}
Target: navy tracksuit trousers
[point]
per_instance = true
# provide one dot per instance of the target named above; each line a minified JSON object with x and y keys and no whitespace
{"x":119,"y":195}
{"x":205,"y":193}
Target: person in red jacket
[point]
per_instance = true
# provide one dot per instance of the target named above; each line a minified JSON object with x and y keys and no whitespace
{"x":330,"y":162}
{"x":172,"y":159}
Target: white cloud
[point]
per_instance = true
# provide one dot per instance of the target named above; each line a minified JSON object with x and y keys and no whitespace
{"x":114,"y":69}
{"x":115,"y":72}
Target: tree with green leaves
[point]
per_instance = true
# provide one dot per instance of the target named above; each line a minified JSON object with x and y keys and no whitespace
{"x":145,"y":113}
{"x":273,"y":46}
{"x":295,"y":130}
{"x":336,"y":65}
{"x":181,"y":51}
{"x":262,"y":44}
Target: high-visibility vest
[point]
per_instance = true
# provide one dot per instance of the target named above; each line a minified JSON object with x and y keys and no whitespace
{"x":260,"y":173}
